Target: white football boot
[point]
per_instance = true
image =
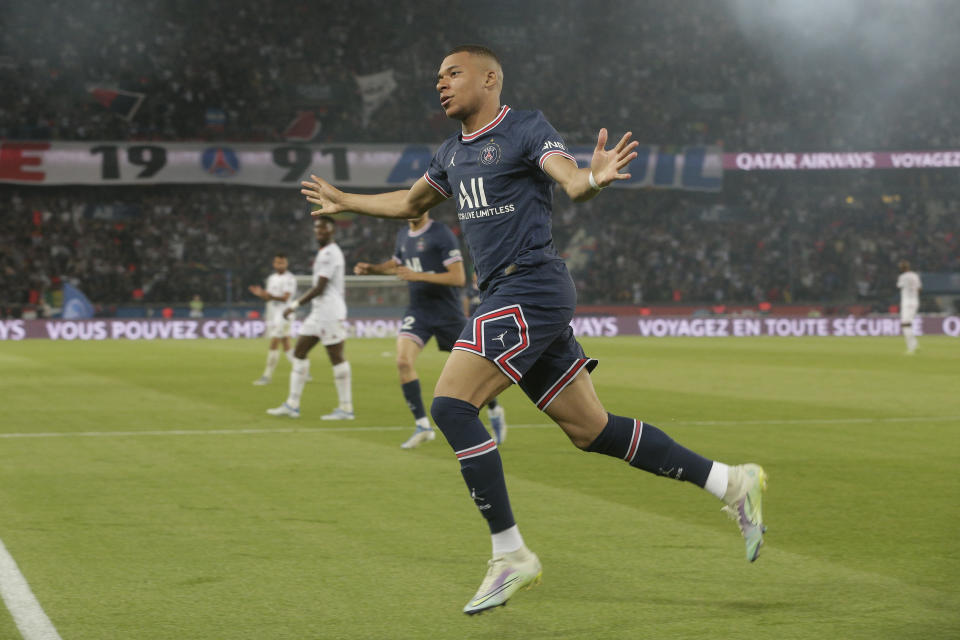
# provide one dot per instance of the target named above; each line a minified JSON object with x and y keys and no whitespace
{"x":419,"y":436}
{"x":744,"y":499}
{"x":506,"y":575}
{"x":284,"y":410}
{"x":338,"y":414}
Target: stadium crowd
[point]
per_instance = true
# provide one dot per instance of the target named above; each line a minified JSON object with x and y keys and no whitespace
{"x":756,"y":241}
{"x":709,"y":74}
{"x":704,"y":75}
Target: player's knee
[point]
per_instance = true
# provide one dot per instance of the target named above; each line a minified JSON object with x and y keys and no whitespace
{"x":579,"y":436}
{"x":581,"y":439}
{"x":581,"y":427}
{"x":448,"y":412}
{"x":404,"y":364}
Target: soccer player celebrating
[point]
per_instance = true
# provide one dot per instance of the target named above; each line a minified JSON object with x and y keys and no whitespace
{"x":500,"y":169}
{"x":909,"y":284}
{"x":326,"y":323}
{"x":428,"y":257}
{"x":281,"y":285}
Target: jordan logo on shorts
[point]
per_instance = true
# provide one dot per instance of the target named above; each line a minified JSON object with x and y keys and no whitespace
{"x":500,"y":338}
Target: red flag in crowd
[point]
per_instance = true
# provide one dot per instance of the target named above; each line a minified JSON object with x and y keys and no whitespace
{"x":123,"y":103}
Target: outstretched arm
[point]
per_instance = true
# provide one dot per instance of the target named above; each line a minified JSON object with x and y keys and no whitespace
{"x":385,"y":268}
{"x":454,"y":276}
{"x":408,"y":203}
{"x":605,"y":167}
{"x":264,"y":295}
{"x":307,"y":297}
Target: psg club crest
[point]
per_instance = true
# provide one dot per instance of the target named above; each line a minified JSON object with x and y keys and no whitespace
{"x":490,"y":153}
{"x":420,"y":245}
{"x":220,"y":161}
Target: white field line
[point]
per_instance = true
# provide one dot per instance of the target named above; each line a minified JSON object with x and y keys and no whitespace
{"x":544,"y":425}
{"x":27,"y":613}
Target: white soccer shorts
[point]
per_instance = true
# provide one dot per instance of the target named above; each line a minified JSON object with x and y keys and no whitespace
{"x":329,"y":330}
{"x":280,"y":329}
{"x":907,"y":313}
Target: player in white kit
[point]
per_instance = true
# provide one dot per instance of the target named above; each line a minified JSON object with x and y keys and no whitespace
{"x":281,"y":286}
{"x":326,"y":323}
{"x":909,"y":284}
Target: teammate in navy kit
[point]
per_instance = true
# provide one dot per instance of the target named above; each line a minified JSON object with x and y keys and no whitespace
{"x":500,"y":168}
{"x":472,"y":296}
{"x":427,"y":256}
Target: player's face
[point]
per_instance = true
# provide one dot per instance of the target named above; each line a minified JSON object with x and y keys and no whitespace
{"x":323,"y":231}
{"x":416,"y":223}
{"x":460,"y":84}
{"x":280,"y":264}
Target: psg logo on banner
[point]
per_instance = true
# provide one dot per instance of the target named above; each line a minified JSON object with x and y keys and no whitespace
{"x":220,"y":161}
{"x":490,"y":153}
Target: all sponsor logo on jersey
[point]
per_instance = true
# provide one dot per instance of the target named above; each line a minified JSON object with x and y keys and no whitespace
{"x":553,"y":145}
{"x":490,"y":154}
{"x":479,"y":198}
{"x":474,"y":197}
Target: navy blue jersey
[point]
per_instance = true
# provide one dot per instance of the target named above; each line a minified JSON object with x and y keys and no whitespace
{"x":474,"y":297}
{"x":430,"y":250}
{"x":504,"y":198}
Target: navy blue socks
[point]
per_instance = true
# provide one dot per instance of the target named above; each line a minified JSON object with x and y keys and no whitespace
{"x":479,"y":459}
{"x":645,"y":447}
{"x":411,"y":393}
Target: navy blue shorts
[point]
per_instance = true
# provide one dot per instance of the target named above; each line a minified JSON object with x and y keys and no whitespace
{"x":420,"y":326}
{"x":523,"y":326}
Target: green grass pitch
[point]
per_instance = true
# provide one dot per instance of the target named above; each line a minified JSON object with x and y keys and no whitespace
{"x":164,"y":503}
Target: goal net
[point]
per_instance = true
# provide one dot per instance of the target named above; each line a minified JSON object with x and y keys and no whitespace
{"x":378,"y":292}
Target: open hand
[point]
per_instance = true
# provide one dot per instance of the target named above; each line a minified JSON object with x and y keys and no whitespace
{"x":606,"y":165}
{"x":326,"y":198}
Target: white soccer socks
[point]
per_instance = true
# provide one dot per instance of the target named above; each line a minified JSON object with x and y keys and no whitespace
{"x":273,"y":357}
{"x":298,"y":378}
{"x":911,"y":338}
{"x":506,"y":541}
{"x":718,"y":479}
{"x":341,"y":378}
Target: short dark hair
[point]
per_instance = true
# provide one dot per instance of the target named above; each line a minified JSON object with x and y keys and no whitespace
{"x":476,"y":50}
{"x":280,"y":255}
{"x":327,"y":219}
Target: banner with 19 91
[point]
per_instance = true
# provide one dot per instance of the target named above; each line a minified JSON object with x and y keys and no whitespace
{"x":285,"y":165}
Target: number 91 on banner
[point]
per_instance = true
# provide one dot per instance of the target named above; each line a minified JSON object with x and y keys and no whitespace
{"x":264,"y":165}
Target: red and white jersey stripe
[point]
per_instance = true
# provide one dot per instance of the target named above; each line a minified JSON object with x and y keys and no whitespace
{"x":487,"y":128}
{"x":433,"y":183}
{"x":557,"y":152}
